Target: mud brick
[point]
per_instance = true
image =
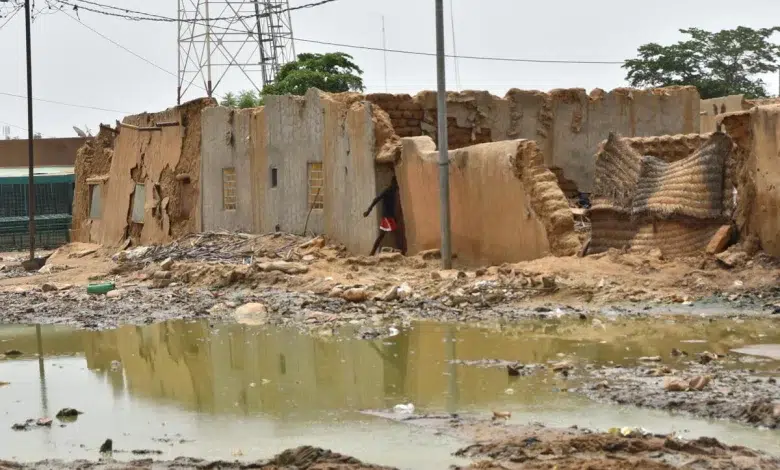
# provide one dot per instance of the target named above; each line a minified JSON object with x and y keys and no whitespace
{"x":720,"y":240}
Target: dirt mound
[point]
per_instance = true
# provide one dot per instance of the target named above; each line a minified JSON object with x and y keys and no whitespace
{"x":558,"y":450}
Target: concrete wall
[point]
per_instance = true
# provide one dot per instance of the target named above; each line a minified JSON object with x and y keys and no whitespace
{"x":226,"y":143}
{"x":347,"y":136}
{"x":47,"y":152}
{"x":757,"y":173}
{"x":165,"y":159}
{"x":492,"y":213}
{"x":567,"y":124}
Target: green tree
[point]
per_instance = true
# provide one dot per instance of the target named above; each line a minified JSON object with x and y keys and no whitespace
{"x":334,"y":72}
{"x":718,"y":64}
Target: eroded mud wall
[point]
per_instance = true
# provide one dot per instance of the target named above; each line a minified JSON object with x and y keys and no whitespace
{"x":567,"y":124}
{"x":494,"y":216}
{"x":757,"y":173}
{"x":160,"y":152}
{"x":225,"y":170}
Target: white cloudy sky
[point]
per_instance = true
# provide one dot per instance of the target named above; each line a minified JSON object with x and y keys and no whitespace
{"x":73,"y":64}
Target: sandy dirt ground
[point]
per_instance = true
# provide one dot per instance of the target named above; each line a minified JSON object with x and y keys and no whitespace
{"x":312,"y":285}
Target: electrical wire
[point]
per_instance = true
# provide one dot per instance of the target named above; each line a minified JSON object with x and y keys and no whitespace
{"x":13,"y":95}
{"x":129,"y":14}
{"x":10,"y":16}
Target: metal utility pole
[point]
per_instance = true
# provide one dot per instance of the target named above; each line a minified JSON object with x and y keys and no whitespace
{"x":30,"y":134}
{"x":444,"y":158}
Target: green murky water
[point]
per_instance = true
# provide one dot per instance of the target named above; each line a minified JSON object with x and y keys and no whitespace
{"x":188,"y":388}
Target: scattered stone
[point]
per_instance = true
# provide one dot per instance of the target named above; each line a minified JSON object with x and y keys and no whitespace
{"x":356,"y":294}
{"x":563,"y":366}
{"x":390,"y":257}
{"x":480,"y":272}
{"x":13,"y":353}
{"x":68,"y":413}
{"x":107,"y":446}
{"x":462,"y":275}
{"x":436,"y":275}
{"x":48,"y":288}
{"x":116,"y":294}
{"x":603,"y":385}
{"x":404,"y":291}
{"x":45,"y":422}
{"x":732,"y":259}
{"x":160,"y":283}
{"x":706,"y":357}
{"x":253,"y":313}
{"x":430,"y":254}
{"x":390,"y":295}
{"x":162,"y":275}
{"x":548,"y":282}
{"x":677,"y":353}
{"x":656,"y":254}
{"x":698,"y":383}
{"x":283,"y":266}
{"x":166,"y":264}
{"x":505,"y":415}
{"x":720,"y":240}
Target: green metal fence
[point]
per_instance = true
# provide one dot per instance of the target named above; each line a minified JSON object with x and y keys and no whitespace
{"x":53,"y":212}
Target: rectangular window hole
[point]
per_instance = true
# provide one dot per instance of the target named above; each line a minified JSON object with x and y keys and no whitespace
{"x":316,"y":183}
{"x":229,"y":195}
{"x":95,"y":201}
{"x":139,"y":202}
{"x":274,"y":177}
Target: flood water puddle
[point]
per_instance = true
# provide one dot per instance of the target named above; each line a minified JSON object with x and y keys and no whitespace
{"x":234,"y":391}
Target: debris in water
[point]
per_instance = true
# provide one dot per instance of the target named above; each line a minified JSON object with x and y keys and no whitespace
{"x":650,"y":359}
{"x":13,"y":353}
{"x":44,"y":422}
{"x":706,"y":357}
{"x":509,"y":391}
{"x":68,"y":414}
{"x":514,"y":369}
{"x":677,"y":353}
{"x":107,"y":447}
{"x":404,"y":408}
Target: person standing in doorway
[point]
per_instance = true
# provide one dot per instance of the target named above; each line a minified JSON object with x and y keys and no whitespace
{"x":389,"y":223}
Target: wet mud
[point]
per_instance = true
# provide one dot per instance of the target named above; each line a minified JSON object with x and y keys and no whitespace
{"x":747,"y":396}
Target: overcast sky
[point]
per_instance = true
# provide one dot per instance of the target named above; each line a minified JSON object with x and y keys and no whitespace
{"x":73,"y":64}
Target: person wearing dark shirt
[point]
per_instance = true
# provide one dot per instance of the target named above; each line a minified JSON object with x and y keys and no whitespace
{"x":388,"y":197}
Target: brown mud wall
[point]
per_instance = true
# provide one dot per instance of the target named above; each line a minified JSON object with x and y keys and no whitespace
{"x":567,"y":124}
{"x":166,"y":160}
{"x":48,"y":152}
{"x":756,"y":173}
{"x":502,"y":210}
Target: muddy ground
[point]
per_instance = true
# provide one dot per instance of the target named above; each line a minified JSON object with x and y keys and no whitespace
{"x":744,"y":395}
{"x":308,"y":284}
{"x":497,"y":446}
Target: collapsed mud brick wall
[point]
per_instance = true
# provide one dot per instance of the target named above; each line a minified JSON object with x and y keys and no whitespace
{"x":318,"y":162}
{"x":154,"y":155}
{"x":672,"y":204}
{"x":225,"y":169}
{"x":756,"y":173}
{"x":567,"y":124}
{"x":504,"y":206}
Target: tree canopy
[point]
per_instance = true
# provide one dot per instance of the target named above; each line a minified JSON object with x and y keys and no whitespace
{"x":718,"y":64}
{"x":333,"y":72}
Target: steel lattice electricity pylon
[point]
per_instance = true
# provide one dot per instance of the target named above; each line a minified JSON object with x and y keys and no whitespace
{"x":253,"y":38}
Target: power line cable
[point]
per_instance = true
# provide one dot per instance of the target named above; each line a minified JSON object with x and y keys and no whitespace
{"x":350,"y":46}
{"x":13,"y":95}
{"x":129,"y":14}
{"x":10,"y":16}
{"x":126,"y":49}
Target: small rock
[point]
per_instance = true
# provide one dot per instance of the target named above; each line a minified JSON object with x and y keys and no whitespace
{"x":404,"y":291}
{"x":219,"y":309}
{"x":107,"y":446}
{"x":390,"y":295}
{"x":390,"y":257}
{"x":436,"y":275}
{"x":68,"y":413}
{"x":48,"y":288}
{"x":430,"y":254}
{"x":601,"y":385}
{"x":706,"y":357}
{"x":283,"y":266}
{"x":162,"y":275}
{"x":656,"y":253}
{"x":677,"y":353}
{"x":160,"y":283}
{"x":548,"y":282}
{"x":166,"y":264}
{"x":308,"y":258}
{"x":720,"y":240}
{"x":563,"y":366}
{"x":480,"y":272}
{"x":502,"y":415}
{"x":356,"y":294}
{"x":116,"y":294}
{"x":13,"y":353}
{"x":732,"y":259}
{"x":253,"y":313}
{"x":462,"y":275}
{"x":116,"y":366}
{"x":514,"y":369}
